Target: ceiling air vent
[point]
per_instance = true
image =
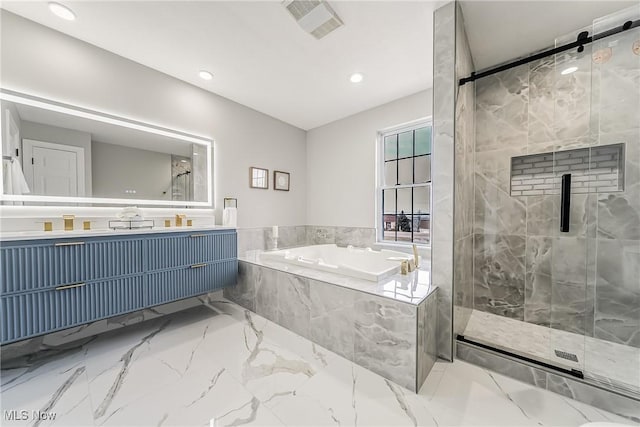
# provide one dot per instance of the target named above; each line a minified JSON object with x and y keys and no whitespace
{"x":316,"y":17}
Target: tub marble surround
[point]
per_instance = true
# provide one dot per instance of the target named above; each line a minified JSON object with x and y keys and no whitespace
{"x":389,"y":327}
{"x":412,"y":288}
{"x":173,"y":371}
{"x":261,"y":238}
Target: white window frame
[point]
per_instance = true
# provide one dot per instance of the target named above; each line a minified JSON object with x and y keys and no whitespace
{"x":427,"y":121}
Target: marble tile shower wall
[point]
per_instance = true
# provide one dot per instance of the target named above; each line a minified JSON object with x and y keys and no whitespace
{"x":584,"y":281}
{"x":301,"y":235}
{"x":442,"y":242}
{"x":464,"y":160}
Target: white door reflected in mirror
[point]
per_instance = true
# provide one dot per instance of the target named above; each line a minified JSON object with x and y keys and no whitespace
{"x":54,"y":169}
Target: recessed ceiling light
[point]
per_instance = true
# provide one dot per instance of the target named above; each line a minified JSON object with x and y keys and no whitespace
{"x":205,"y":75}
{"x":62,"y":11}
{"x":356,"y":77}
{"x":569,"y":70}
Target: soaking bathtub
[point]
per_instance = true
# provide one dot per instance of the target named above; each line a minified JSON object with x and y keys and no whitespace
{"x":362,"y":263}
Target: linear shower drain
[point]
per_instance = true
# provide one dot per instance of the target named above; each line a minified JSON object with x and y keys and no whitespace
{"x":565,"y":355}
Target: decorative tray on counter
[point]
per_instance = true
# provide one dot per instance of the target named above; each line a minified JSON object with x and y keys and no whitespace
{"x":120,"y":224}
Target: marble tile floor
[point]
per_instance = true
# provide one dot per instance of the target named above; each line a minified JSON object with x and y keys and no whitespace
{"x":224,"y":363}
{"x":605,"y":361}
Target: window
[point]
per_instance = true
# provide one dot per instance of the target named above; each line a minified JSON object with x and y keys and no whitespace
{"x":405,"y":185}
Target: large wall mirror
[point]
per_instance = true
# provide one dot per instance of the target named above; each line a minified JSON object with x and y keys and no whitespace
{"x":58,"y":153}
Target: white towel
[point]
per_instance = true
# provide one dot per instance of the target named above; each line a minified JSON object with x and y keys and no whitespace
{"x":14,"y":182}
{"x":131,"y":213}
{"x":18,"y":182}
{"x":230,"y":217}
{"x":6,"y":176}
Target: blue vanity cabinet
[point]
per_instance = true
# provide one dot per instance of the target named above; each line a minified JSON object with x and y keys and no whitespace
{"x":52,"y":284}
{"x":29,"y":314}
{"x":189,"y":264}
{"x":185,"y":282}
{"x":30,"y":265}
{"x":185,"y":249}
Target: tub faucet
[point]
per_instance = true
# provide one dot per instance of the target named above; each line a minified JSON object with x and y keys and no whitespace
{"x":415,"y":256}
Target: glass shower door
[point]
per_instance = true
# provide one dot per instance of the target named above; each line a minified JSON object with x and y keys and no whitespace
{"x":571,"y":206}
{"x":612,"y":350}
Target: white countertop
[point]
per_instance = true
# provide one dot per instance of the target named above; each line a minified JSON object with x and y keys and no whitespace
{"x":412,"y":288}
{"x":60,"y":234}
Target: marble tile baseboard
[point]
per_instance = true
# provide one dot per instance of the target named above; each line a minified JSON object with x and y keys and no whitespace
{"x":391,"y":338}
{"x":565,"y":385}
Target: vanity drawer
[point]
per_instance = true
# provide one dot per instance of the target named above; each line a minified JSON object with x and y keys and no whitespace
{"x":48,"y":263}
{"x":30,"y":314}
{"x":190,"y":248}
{"x":189,"y":281}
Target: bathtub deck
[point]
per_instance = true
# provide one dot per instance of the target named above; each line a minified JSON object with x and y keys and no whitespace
{"x":412,"y":288}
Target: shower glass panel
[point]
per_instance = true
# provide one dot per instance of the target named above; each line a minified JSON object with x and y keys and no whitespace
{"x":556,"y":268}
{"x":570,"y":204}
{"x":612,"y":348}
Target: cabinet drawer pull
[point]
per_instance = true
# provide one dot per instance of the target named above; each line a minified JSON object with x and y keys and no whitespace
{"x":69,"y":244}
{"x":198,"y":235}
{"x":75,"y":285}
{"x":198,"y":265}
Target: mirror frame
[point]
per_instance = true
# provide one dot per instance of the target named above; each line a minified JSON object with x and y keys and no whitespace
{"x":34,"y":101}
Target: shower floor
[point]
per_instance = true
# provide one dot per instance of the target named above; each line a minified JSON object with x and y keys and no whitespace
{"x":606,"y":362}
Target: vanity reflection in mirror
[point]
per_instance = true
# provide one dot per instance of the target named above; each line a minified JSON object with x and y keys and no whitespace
{"x":57,"y":153}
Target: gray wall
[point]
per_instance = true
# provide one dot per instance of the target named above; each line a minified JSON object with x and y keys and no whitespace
{"x":116,"y":168}
{"x":38,"y":60}
{"x":341,"y":162}
{"x":56,"y":135}
{"x":584,"y":281}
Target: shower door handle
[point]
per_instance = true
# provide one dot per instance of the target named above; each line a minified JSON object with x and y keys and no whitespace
{"x":565,"y":203}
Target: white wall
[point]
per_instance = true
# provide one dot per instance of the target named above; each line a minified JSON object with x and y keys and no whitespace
{"x":38,"y":60}
{"x":56,"y":135}
{"x":341,"y":162}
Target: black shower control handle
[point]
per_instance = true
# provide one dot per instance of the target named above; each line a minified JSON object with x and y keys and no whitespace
{"x":565,"y":203}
